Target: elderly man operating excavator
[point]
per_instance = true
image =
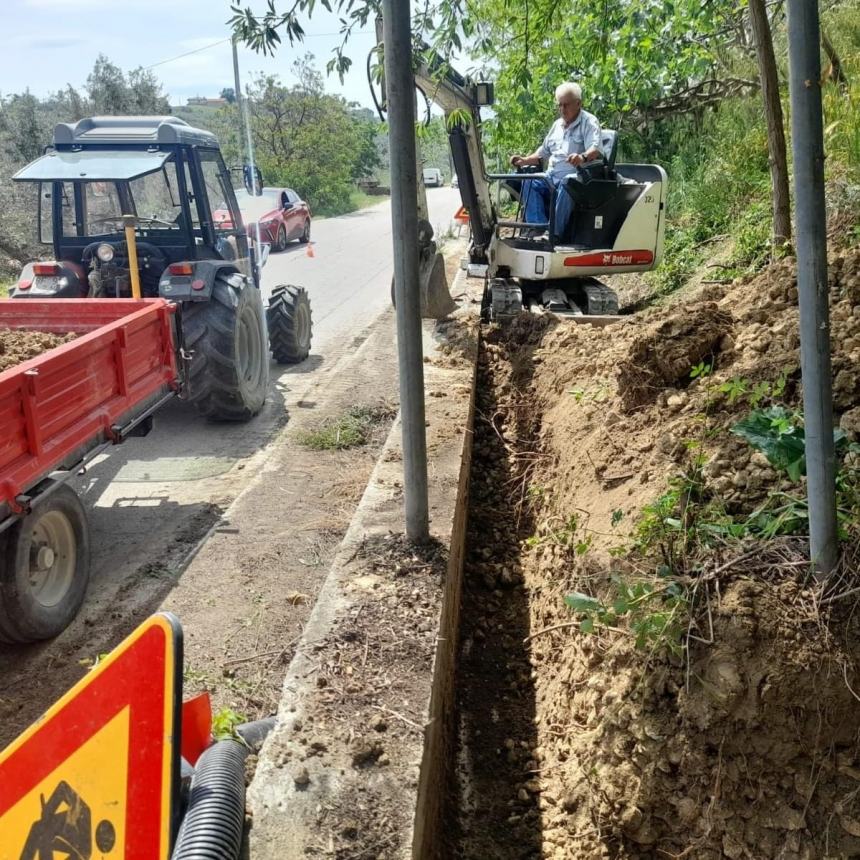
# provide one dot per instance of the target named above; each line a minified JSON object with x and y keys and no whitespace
{"x":573,"y":140}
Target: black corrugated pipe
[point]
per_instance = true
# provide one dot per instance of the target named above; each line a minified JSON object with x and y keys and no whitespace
{"x":213,"y":825}
{"x":255,"y":733}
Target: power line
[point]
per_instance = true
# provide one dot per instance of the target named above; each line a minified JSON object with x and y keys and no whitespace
{"x":228,"y":39}
{"x":187,"y":54}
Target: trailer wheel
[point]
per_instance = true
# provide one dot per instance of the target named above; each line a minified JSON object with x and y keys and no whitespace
{"x":290,"y":326}
{"x":44,"y":569}
{"x":228,"y":375}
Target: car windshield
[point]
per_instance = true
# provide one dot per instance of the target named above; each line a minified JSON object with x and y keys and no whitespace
{"x":153,"y":198}
{"x":253,"y":208}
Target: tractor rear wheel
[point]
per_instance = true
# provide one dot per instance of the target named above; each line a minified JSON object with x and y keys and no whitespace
{"x":44,"y":569}
{"x":290,"y":326}
{"x":228,"y":376}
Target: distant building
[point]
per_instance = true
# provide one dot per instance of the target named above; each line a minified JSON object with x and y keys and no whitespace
{"x":202,"y":101}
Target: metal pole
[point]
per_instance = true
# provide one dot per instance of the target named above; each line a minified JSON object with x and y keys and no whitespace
{"x":811,"y":217}
{"x":399,"y":84}
{"x":243,"y":115}
{"x":237,"y":83}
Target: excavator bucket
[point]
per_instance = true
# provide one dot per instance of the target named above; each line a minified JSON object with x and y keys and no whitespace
{"x":436,"y":301}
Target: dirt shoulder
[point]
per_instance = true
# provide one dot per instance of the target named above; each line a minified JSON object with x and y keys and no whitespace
{"x":241,"y":575}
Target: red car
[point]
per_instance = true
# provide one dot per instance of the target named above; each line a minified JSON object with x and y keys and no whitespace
{"x":281,"y":214}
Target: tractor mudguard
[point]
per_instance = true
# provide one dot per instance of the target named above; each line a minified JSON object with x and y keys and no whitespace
{"x":198,"y":285}
{"x":68,"y":281}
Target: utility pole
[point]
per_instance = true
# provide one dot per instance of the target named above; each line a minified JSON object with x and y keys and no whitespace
{"x":811,"y":218}
{"x":400,"y":86}
{"x":252,"y":164}
{"x":245,"y":121}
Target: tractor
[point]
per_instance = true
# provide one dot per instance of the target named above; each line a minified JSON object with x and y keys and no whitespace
{"x":127,"y":205}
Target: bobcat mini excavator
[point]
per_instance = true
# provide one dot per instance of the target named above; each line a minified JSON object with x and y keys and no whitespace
{"x":617,"y":225}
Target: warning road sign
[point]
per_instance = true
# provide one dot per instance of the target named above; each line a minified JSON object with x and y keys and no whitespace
{"x":97,"y":775}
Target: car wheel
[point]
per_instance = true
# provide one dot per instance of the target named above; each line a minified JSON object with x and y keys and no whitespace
{"x":306,"y":233}
{"x":281,"y":243}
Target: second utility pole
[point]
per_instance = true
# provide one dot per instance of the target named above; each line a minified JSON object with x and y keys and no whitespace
{"x":400,"y":89}
{"x":808,"y":146}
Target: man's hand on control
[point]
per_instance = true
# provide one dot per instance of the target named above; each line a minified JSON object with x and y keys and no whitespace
{"x":576,"y":159}
{"x":518,"y":160}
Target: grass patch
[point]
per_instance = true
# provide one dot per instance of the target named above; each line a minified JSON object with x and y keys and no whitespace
{"x":357,"y":200}
{"x":354,"y":428}
{"x":360,"y":200}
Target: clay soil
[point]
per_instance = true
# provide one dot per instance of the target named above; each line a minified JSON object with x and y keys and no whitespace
{"x":740,"y":742}
{"x":17,"y":346}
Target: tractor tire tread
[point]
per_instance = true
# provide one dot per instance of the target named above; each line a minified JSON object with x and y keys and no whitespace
{"x":284,"y":339}
{"x":210,"y":331}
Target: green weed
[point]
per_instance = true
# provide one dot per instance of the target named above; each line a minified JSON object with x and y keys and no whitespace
{"x":654,"y":611}
{"x":224,"y":724}
{"x":351,"y":430}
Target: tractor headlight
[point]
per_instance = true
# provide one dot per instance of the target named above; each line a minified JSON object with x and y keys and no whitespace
{"x":105,"y":253}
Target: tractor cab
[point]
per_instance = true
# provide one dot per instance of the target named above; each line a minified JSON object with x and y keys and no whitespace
{"x":168,"y":176}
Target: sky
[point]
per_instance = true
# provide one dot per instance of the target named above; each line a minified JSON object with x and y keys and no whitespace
{"x":48,"y":44}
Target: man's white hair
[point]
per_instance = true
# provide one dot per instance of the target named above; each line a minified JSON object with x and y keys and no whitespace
{"x":568,"y":88}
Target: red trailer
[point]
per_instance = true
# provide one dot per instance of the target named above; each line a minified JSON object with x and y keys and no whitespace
{"x":57,"y":412}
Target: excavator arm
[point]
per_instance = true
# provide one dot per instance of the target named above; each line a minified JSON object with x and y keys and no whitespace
{"x":460,"y":99}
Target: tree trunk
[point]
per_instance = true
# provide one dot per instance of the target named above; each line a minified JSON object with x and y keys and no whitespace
{"x":773,"y":116}
{"x":834,"y":67}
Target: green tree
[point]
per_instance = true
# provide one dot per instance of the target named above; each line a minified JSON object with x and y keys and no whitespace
{"x":23,"y":127}
{"x":310,"y":140}
{"x":144,"y":93}
{"x":110,"y":91}
{"x":107,"y":88}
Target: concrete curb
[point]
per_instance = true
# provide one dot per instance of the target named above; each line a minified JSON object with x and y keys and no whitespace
{"x":317,"y":792}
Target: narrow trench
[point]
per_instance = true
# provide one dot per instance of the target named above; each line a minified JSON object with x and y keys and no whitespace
{"x":493,"y":805}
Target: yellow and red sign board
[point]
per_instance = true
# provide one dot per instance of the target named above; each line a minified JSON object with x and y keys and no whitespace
{"x":97,"y":775}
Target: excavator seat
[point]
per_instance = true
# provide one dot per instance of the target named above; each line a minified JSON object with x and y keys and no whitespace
{"x":601,"y":199}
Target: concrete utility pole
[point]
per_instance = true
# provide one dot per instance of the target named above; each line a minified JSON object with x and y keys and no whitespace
{"x":811,"y":217}
{"x":400,"y":86}
{"x":246,"y":122}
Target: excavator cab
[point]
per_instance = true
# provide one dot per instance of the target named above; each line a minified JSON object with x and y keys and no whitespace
{"x":617,"y":225}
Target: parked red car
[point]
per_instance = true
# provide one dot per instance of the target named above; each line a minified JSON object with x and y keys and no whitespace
{"x":281,"y":214}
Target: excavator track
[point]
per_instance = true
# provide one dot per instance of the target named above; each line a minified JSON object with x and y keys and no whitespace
{"x":600,"y":300}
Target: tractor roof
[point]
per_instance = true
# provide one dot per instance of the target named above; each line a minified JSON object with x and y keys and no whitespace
{"x":101,"y":130}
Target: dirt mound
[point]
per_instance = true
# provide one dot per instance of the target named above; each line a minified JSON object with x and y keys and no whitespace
{"x":17,"y":346}
{"x":756,"y":759}
{"x":662,"y":356}
{"x":741,"y":743}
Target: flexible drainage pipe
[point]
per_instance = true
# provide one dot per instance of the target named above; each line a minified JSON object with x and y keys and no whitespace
{"x":213,"y":825}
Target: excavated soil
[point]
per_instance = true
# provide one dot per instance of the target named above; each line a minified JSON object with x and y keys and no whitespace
{"x":17,"y":346}
{"x":745,"y":742}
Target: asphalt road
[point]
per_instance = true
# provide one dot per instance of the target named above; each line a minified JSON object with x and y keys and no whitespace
{"x":173,"y":476}
{"x":349,"y":276}
{"x":151,"y":500}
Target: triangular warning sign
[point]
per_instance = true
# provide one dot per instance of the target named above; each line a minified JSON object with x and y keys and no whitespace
{"x":97,"y":775}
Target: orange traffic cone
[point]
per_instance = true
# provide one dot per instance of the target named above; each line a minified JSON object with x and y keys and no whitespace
{"x":310,"y":250}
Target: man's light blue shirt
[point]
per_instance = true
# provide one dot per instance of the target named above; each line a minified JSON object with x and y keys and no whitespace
{"x":582,"y":134}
